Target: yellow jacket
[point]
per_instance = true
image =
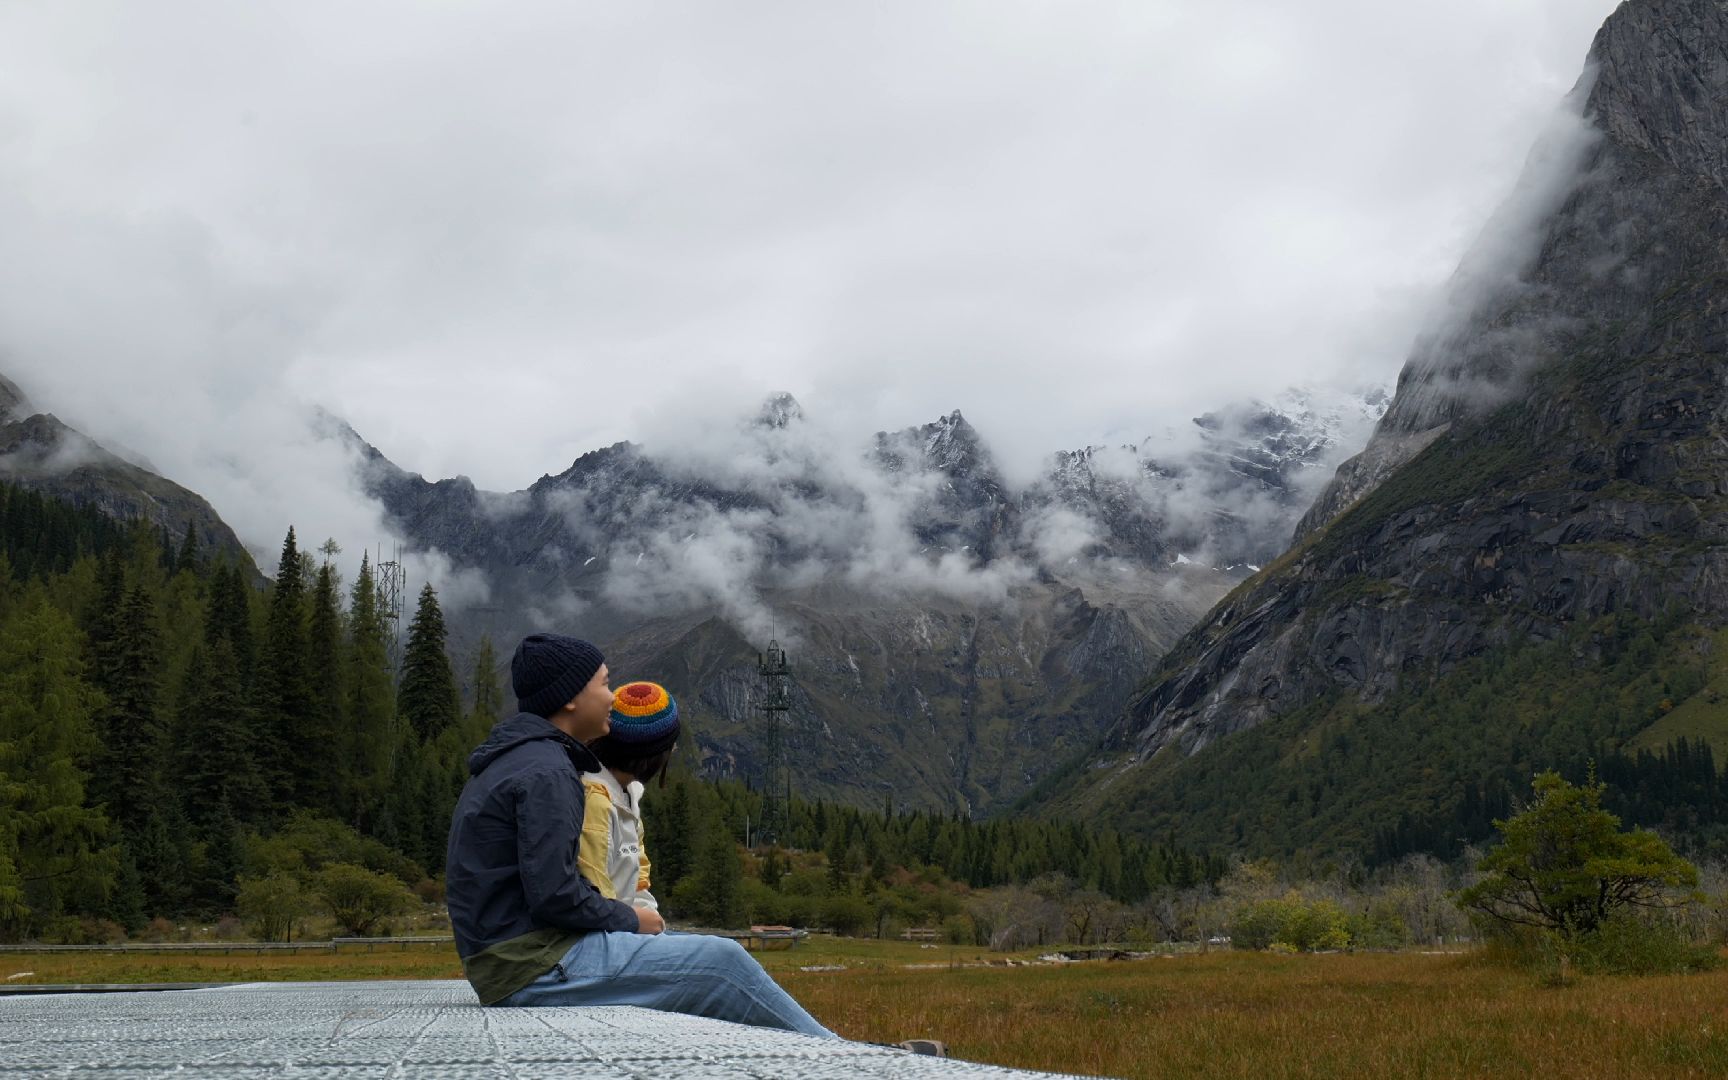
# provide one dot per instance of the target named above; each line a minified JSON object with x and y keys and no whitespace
{"x":611,"y":854}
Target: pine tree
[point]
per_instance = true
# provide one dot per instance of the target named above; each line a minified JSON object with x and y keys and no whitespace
{"x":162,"y":848}
{"x":286,"y":684}
{"x":230,"y":620}
{"x":102,"y":619}
{"x":128,"y":774}
{"x":428,"y":700}
{"x":399,"y":815}
{"x":488,"y":695}
{"x":50,"y":841}
{"x":222,"y":863}
{"x":189,"y":557}
{"x":371,"y":708}
{"x":215,"y":767}
{"x":718,"y":879}
{"x":322,"y":779}
{"x":433,"y":806}
{"x":126,"y":904}
{"x":773,"y":867}
{"x":666,"y":833}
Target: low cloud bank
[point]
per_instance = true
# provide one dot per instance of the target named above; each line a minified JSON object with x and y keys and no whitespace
{"x":727,"y":512}
{"x":1464,"y":362}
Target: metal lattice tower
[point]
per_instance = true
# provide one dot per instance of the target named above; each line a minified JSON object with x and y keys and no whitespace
{"x":774,"y":699}
{"x":392,"y":579}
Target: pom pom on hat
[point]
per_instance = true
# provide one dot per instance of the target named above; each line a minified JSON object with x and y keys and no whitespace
{"x":644,"y":721}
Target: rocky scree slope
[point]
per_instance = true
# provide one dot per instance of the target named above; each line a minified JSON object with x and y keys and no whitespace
{"x":1556,"y":457}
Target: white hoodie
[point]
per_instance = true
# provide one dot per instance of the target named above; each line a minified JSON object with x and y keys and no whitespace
{"x":611,"y":855}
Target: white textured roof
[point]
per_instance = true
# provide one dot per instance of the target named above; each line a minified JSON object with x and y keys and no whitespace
{"x":403,"y":1029}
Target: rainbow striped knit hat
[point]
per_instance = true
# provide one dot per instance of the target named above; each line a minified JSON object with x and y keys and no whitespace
{"x":644,"y":720}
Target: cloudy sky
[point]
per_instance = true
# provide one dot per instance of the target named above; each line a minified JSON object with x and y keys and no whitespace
{"x":494,"y":236}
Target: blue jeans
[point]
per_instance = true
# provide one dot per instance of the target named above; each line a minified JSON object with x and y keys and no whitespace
{"x":685,"y":973}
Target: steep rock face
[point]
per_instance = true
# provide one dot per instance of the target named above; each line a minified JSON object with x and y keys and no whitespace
{"x":13,"y":404}
{"x":1557,"y":455}
{"x":939,"y":627}
{"x":969,"y":681}
{"x":970,"y":510}
{"x":39,"y":452}
{"x":940,"y":703}
{"x":1228,"y":499}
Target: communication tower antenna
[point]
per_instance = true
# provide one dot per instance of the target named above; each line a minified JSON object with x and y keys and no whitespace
{"x":774,"y":700}
{"x":392,"y":583}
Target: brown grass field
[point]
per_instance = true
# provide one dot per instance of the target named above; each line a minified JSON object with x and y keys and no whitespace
{"x":1220,"y":1014}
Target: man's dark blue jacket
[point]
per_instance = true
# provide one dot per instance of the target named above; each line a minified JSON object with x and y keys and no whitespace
{"x":517,"y":902}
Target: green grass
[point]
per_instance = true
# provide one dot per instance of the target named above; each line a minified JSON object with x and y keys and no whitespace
{"x":1218,"y":1014}
{"x":1256,"y":1015}
{"x":98,"y":967}
{"x":1704,"y":715}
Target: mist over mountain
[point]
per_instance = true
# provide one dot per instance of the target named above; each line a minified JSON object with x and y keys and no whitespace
{"x":1547,"y":482}
{"x":40,"y":453}
{"x":944,"y":621}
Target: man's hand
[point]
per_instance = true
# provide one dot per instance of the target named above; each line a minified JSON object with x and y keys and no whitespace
{"x":648,"y":921}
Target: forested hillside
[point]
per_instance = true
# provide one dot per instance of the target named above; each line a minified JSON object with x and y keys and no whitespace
{"x":1528,"y":565}
{"x":1430,"y":769}
{"x":158,"y":710}
{"x":174,"y":741}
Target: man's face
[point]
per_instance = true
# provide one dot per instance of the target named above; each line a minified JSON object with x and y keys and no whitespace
{"x":590,"y":712}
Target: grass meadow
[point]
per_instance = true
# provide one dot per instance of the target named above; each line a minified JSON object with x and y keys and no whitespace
{"x":1219,"y":1014}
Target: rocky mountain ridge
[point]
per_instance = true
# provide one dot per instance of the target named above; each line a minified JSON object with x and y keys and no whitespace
{"x":39,"y":452}
{"x":1554,"y":457}
{"x":944,"y":624}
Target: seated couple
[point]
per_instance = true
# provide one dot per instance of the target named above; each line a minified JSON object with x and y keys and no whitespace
{"x":553,"y":793}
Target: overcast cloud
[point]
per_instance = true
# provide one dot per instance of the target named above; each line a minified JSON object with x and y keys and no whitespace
{"x":494,"y":236}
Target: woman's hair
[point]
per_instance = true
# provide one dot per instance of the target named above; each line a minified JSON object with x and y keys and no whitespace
{"x":626,"y":759}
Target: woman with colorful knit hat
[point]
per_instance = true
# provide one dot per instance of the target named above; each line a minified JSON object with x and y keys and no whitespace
{"x":638,"y":748}
{"x":531,"y":927}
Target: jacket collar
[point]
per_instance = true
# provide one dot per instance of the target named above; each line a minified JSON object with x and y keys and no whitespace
{"x":523,"y":728}
{"x":627,"y":798}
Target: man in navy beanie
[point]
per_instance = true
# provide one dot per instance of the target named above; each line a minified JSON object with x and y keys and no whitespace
{"x":530,"y":929}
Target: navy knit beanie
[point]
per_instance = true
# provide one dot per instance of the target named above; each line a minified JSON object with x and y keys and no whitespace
{"x":549,"y":670}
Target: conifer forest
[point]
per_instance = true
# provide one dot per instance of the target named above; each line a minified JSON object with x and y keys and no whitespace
{"x":181,"y":739}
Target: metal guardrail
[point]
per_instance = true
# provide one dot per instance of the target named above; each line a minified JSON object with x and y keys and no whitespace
{"x":259,"y":948}
{"x":20,"y":990}
{"x":754,"y":939}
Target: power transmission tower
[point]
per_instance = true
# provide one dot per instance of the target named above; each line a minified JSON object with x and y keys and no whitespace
{"x":392,"y":583}
{"x":774,"y":699}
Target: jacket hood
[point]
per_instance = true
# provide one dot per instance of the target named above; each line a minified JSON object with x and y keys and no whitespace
{"x":507,"y":735}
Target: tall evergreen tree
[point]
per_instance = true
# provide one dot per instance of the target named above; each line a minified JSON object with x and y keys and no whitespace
{"x":718,"y":877}
{"x":488,"y":695}
{"x":215,"y":767}
{"x":50,"y":840}
{"x":428,"y":700}
{"x":166,"y":555}
{"x":230,"y":619}
{"x":286,"y":685}
{"x":220,"y":865}
{"x":102,"y":619}
{"x":322,"y":778}
{"x":189,"y":557}
{"x":668,"y":826}
{"x":371,"y":707}
{"x":128,"y":774}
{"x":126,"y":903}
{"x":162,"y":847}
